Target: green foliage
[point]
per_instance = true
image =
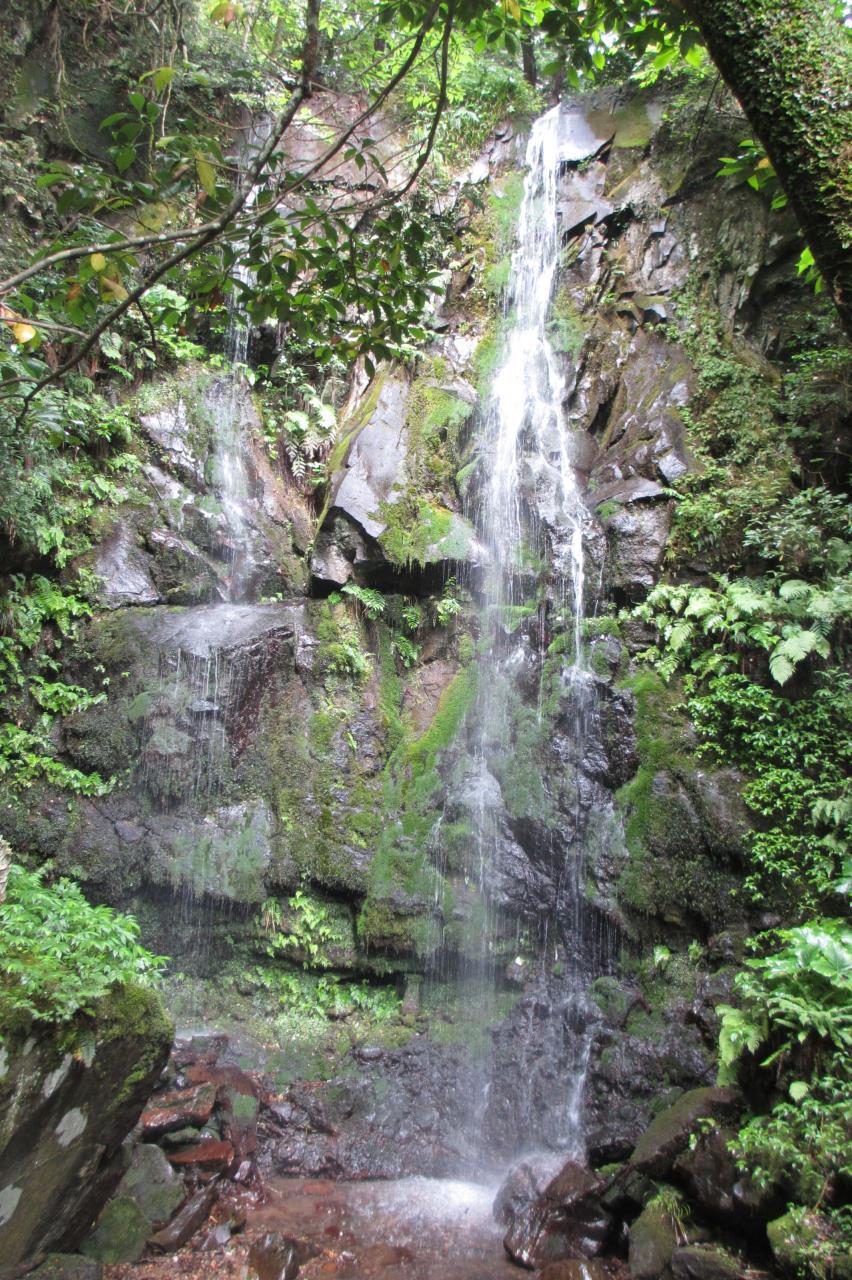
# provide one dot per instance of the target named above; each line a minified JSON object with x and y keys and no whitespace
{"x":300,"y":430}
{"x":59,"y":955}
{"x":796,"y":1003}
{"x":448,"y":605}
{"x":745,"y":460}
{"x":340,"y":651}
{"x":309,"y":932}
{"x":706,"y":631}
{"x":752,"y":166}
{"x":371,"y":602}
{"x":36,"y":617}
{"x":803,"y":1144}
{"x":807,"y":534}
{"x":800,"y":990}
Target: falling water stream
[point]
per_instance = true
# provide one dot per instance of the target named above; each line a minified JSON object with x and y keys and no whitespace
{"x":531,"y":514}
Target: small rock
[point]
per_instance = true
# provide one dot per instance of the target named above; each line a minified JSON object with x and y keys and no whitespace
{"x":185,"y":1224}
{"x":212,"y":1154}
{"x":180,"y":1109}
{"x":278,"y":1257}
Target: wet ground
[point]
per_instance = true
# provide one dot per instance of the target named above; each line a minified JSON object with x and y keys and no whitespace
{"x":412,"y":1229}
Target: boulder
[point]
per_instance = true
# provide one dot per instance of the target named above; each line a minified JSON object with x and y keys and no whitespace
{"x":567,"y":1221}
{"x":523,"y":1184}
{"x":124,"y":569}
{"x":669,"y":1133}
{"x":652,"y":1242}
{"x":64,"y":1117}
{"x":705,"y":1262}
{"x":152,"y":1184}
{"x":120,"y":1233}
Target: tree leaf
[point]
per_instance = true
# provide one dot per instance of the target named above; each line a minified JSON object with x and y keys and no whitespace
{"x":206,"y":174}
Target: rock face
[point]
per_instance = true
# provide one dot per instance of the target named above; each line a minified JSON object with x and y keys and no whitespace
{"x":66,"y":1115}
{"x":264,"y":749}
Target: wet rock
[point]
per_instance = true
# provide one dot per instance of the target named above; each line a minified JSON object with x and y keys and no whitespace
{"x":652,"y":1242}
{"x":669,"y":1133}
{"x":120,"y":1233}
{"x":210,"y":1154}
{"x":124,"y":570}
{"x":567,"y":1221}
{"x":278,"y":1257}
{"x":575,"y":1269}
{"x":702,"y":1262}
{"x":179,"y":1109}
{"x":523,"y":1184}
{"x":64,"y":1118}
{"x":181,"y":573}
{"x":709,"y":1172}
{"x":171,"y":430}
{"x":375,"y":463}
{"x":184,"y":1225}
{"x":152,"y":1184}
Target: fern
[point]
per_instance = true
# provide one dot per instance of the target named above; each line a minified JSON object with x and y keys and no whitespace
{"x":372,"y":602}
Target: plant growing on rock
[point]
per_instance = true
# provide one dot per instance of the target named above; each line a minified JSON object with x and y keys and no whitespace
{"x":59,"y":955}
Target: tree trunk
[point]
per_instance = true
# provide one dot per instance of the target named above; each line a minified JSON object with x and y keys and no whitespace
{"x":789,"y":62}
{"x":528,"y":61}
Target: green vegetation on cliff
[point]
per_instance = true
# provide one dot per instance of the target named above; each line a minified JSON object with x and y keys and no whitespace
{"x":59,"y":956}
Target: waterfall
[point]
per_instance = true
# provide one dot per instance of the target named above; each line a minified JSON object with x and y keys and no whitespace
{"x":524,"y":425}
{"x":532,"y":519}
{"x":227,"y":404}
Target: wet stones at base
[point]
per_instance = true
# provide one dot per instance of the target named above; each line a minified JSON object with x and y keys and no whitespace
{"x":205,"y":1116}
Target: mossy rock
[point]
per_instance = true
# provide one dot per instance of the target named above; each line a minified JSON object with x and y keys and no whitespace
{"x":120,"y":1234}
{"x":795,"y":1239}
{"x":705,"y":1262}
{"x":152,"y":1184}
{"x":668,"y":1133}
{"x":652,"y":1243}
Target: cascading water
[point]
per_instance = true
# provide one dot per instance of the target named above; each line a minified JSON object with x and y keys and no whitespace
{"x":532,"y":519}
{"x":227,"y":405}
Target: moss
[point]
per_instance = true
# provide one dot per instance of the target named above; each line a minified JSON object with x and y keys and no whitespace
{"x":594,"y":628}
{"x":417,"y":531}
{"x":135,"y":1013}
{"x":380,"y":925}
{"x":607,"y":510}
{"x":566,"y":328}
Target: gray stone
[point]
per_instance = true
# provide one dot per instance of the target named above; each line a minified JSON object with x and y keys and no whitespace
{"x":124,"y":570}
{"x":120,"y":1233}
{"x":152,"y":1184}
{"x":171,"y":430}
{"x":652,"y":1243}
{"x":67,"y":1266}
{"x":375,"y":463}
